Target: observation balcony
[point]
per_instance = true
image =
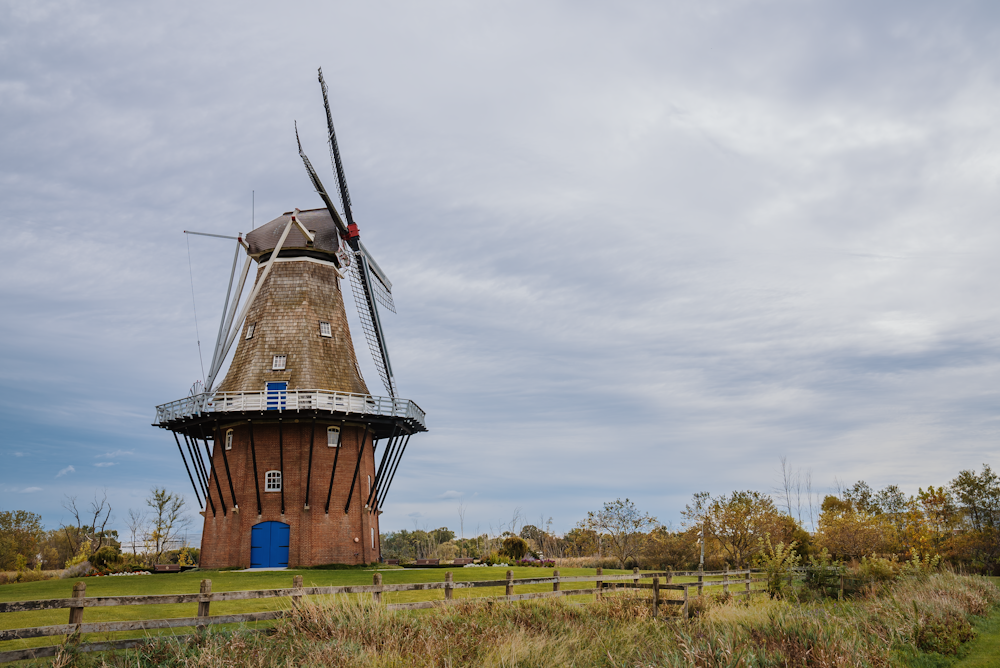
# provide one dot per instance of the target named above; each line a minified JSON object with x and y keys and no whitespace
{"x":341,"y":404}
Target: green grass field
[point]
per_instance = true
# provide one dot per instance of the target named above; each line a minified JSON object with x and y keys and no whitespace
{"x":189,"y":583}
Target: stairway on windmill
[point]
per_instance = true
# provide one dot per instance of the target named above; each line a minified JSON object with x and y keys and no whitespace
{"x":293,"y":456}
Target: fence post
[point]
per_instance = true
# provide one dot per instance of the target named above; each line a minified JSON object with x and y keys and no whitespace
{"x":725,"y":582}
{"x":510,"y":583}
{"x":686,"y":602}
{"x":656,"y":597}
{"x":296,"y":584}
{"x":748,"y":583}
{"x":600,"y":584}
{"x":841,"y":595}
{"x":635,"y":580}
{"x":670,"y":575}
{"x":701,"y":582}
{"x":555,"y":585}
{"x":449,"y":591}
{"x":76,"y":614}
{"x":377,"y":580}
{"x":203,"y":600}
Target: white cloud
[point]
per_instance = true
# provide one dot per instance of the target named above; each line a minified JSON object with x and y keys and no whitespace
{"x":27,"y":490}
{"x":19,"y":454}
{"x":451,"y":494}
{"x":68,"y":469}
{"x":116,"y":453}
{"x":104,"y":464}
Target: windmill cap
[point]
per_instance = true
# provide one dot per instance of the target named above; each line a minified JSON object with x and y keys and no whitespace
{"x":263,"y":239}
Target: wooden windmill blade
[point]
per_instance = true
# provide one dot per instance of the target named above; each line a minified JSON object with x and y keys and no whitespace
{"x":364,"y":268}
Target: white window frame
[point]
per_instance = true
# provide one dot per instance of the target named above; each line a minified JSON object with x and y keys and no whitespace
{"x":272,"y":481}
{"x":279,"y":362}
{"x":373,"y":537}
{"x":325,"y":330}
{"x":369,"y":485}
{"x":331,"y":430}
{"x":229,"y":439}
{"x":252,"y":326}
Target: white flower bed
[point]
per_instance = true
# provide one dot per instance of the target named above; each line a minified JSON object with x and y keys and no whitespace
{"x":486,"y":566}
{"x":111,"y":575}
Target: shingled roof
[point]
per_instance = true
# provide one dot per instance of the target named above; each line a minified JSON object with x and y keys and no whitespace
{"x":263,"y":239}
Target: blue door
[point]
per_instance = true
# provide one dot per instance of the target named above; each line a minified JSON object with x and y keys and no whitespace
{"x":269,"y":545}
{"x":276,"y":394}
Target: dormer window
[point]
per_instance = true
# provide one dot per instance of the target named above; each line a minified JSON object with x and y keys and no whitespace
{"x":229,"y":439}
{"x":324,"y":329}
{"x":272,"y":481}
{"x":278,"y":363}
{"x":333,"y":437}
{"x":252,"y":326}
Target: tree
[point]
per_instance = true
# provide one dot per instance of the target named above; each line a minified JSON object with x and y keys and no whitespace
{"x":625,"y":527}
{"x":90,"y":526}
{"x":978,"y":498}
{"x":739,"y":522}
{"x":166,"y":521}
{"x":20,"y":535}
{"x":580,"y":542}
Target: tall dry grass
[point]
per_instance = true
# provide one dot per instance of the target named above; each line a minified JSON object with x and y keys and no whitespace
{"x":932,"y":613}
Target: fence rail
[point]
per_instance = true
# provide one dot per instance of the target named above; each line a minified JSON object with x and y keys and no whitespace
{"x":79,"y":602}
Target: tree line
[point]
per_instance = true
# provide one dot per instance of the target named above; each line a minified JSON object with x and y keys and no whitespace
{"x":958,"y":522}
{"x":25,"y":545}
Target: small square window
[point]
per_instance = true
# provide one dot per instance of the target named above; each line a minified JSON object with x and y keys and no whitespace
{"x":272,"y":481}
{"x":324,"y":329}
{"x":252,"y":326}
{"x":333,"y":437}
{"x":229,"y":439}
{"x":278,"y":363}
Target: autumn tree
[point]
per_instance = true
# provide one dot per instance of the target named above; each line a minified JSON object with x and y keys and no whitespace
{"x":20,"y":535}
{"x":625,"y":527}
{"x":737,"y":522}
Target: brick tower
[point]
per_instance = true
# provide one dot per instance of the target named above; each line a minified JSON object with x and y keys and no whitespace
{"x":291,"y":453}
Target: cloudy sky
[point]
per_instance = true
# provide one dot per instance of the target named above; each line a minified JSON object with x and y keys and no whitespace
{"x":638,"y":249}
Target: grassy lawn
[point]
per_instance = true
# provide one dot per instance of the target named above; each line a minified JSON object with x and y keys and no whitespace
{"x":189,"y":583}
{"x":984,"y":651}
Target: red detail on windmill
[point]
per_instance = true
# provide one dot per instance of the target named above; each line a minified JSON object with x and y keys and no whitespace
{"x":352,"y":231}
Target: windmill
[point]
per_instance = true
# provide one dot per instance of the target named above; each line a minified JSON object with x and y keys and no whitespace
{"x":286,"y":450}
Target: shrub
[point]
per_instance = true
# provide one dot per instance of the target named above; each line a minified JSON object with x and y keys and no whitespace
{"x":514,"y":547}
{"x":777,"y":563}
{"x":823,"y":575}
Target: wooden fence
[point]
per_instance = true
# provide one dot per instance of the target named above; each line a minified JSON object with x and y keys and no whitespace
{"x":79,"y":602}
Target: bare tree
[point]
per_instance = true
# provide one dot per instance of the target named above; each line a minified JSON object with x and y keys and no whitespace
{"x":167,"y":520}
{"x":136,"y":524}
{"x":87,"y":523}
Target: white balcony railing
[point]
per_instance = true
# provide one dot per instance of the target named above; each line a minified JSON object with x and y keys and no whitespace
{"x":289,"y":400}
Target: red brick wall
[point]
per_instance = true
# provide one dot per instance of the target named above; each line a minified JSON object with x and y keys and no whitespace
{"x":316,"y":537}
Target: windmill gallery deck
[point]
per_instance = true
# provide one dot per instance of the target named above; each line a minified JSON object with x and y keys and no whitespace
{"x":290,"y":455}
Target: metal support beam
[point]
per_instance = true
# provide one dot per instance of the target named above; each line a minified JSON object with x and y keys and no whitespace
{"x":196,"y":454}
{"x":256,"y":477}
{"x":333,"y":471}
{"x":309,"y":467}
{"x":385,"y":492}
{"x":393,"y":463}
{"x":381,"y":466}
{"x":357,"y":467}
{"x":188,"y":469}
{"x":212,"y":470}
{"x":220,"y":441}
